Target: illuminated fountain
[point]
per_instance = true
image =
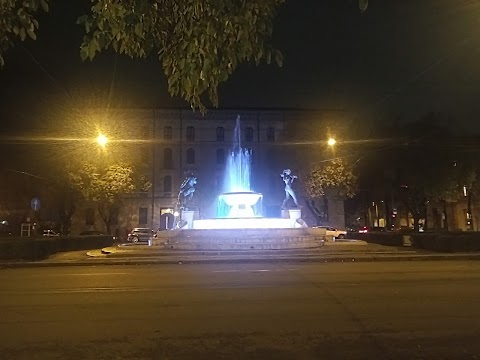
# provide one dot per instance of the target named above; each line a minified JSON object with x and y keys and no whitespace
{"x":238,"y":200}
{"x":239,"y":224}
{"x":239,"y":207}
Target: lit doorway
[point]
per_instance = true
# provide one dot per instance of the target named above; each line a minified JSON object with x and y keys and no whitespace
{"x":167,"y":219}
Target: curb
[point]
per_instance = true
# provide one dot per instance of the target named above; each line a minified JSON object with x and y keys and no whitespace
{"x":247,"y":260}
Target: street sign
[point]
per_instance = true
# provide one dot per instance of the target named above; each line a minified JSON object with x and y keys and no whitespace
{"x":35,"y":204}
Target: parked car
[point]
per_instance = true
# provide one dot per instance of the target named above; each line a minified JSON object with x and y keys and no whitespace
{"x":367,"y":229}
{"x":331,"y":231}
{"x":140,"y":235}
{"x":50,"y":232}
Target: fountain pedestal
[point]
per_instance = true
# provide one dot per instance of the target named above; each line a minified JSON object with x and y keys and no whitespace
{"x":187,"y":215}
{"x":294,"y":214}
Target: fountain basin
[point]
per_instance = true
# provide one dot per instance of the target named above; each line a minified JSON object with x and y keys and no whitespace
{"x":241,"y":203}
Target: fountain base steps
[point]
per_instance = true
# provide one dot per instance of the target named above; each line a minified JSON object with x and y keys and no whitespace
{"x":240,"y":239}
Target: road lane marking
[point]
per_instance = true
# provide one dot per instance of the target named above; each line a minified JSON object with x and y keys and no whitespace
{"x":87,"y":274}
{"x":254,"y":270}
{"x":80,"y":274}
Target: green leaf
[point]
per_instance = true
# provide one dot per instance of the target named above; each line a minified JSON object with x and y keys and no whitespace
{"x":139,"y":29}
{"x":44,"y":5}
{"x":83,"y":52}
{"x":23,"y":34}
{"x":363,"y":5}
{"x":92,"y":48}
{"x":31,"y":33}
{"x":181,"y":63}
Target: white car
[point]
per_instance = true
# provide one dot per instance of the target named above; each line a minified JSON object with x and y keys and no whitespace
{"x":331,"y":231}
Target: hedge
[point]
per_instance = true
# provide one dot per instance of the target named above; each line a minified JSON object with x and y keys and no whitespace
{"x":33,"y":249}
{"x":448,"y":242}
{"x":441,"y":242}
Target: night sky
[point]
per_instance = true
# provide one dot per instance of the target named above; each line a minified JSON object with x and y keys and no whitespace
{"x":398,"y":60}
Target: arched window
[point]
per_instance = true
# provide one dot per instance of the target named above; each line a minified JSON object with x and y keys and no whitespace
{"x":220,"y":157}
{"x":190,"y":133}
{"x":249,"y":134}
{"x":220,"y":134}
{"x":167,"y":158}
{"x":167,"y":133}
{"x":190,"y":156}
{"x":167,"y":184}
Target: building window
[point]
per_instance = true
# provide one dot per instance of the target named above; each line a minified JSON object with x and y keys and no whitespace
{"x":220,"y":134}
{"x":271,"y":134}
{"x":249,"y":134}
{"x":190,"y":133}
{"x":190,"y":156}
{"x":167,"y":133}
{"x":167,"y":184}
{"x":167,"y":159}
{"x":142,"y":216}
{"x":220,"y":157}
{"x":90,"y":216}
{"x":144,"y":132}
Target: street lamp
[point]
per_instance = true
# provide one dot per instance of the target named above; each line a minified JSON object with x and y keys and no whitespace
{"x":102,"y":140}
{"x":331,"y":142}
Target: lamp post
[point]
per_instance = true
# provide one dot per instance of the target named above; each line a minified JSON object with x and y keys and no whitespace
{"x":154,"y":137}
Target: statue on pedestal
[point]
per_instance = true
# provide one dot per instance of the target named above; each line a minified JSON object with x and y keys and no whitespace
{"x":187,"y":189}
{"x":288,"y":179}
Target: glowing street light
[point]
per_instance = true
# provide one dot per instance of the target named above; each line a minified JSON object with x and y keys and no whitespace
{"x":102,"y":140}
{"x":331,"y":142}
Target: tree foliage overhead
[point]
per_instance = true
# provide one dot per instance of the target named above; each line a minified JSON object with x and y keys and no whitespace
{"x":199,"y":43}
{"x":336,"y":174}
{"x":17,"y":21}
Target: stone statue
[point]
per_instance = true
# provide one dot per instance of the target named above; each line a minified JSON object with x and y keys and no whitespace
{"x":288,"y":179}
{"x":187,"y":190}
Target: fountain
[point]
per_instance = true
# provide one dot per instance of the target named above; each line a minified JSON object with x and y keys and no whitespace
{"x":239,"y":223}
{"x":239,"y":207}
{"x":238,"y":200}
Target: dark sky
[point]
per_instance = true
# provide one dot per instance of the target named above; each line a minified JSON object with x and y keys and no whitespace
{"x":400,"y":59}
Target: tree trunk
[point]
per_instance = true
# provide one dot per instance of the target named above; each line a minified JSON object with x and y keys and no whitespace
{"x":104,"y":214}
{"x":313,"y":209}
{"x":445,"y":222}
{"x":416,"y":222}
{"x":425,"y":223}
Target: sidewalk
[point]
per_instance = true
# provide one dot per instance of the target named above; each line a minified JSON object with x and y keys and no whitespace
{"x":331,"y":252}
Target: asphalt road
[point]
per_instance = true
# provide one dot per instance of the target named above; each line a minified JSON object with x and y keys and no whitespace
{"x":392,"y":310}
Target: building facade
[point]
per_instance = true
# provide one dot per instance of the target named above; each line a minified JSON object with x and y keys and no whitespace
{"x":175,"y":143}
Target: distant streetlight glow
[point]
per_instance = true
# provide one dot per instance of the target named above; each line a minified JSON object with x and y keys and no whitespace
{"x":102,"y":140}
{"x":331,"y":142}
